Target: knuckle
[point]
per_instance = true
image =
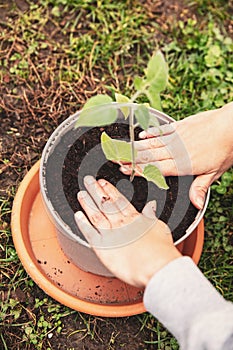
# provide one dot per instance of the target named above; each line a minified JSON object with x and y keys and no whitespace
{"x":152,"y":142}
{"x":145,"y":156}
{"x":105,"y":199}
{"x":96,"y":218}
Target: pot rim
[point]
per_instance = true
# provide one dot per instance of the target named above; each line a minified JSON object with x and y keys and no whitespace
{"x":67,"y":125}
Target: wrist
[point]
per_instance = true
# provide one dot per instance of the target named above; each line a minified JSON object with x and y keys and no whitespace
{"x":170,"y":254}
{"x":226,"y":123}
{"x":226,"y":117}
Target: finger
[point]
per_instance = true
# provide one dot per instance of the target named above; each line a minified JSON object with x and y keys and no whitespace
{"x":168,"y":167}
{"x":90,"y":233}
{"x":150,"y":210}
{"x":108,"y":199}
{"x":148,"y":156}
{"x":121,"y":202}
{"x":95,"y":191}
{"x":158,"y":131}
{"x":127,"y":169}
{"x":96,"y":217}
{"x":153,"y":142}
{"x":112,"y":204}
{"x":199,"y":188}
{"x":105,"y":200}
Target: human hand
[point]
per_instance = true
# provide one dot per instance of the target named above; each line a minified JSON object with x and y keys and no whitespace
{"x":200,"y":145}
{"x":132,"y":245}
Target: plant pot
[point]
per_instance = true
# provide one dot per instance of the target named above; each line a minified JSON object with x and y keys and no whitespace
{"x":71,"y":153}
{"x":35,"y":240}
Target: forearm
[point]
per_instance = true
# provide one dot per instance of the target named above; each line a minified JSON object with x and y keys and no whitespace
{"x":190,"y":307}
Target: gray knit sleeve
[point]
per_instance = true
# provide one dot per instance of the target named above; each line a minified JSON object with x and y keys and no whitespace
{"x":186,"y":303}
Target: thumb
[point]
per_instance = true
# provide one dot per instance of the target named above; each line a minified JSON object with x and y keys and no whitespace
{"x":199,"y":188}
{"x":150,"y":210}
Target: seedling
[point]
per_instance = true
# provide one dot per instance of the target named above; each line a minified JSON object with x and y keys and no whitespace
{"x":94,"y":114}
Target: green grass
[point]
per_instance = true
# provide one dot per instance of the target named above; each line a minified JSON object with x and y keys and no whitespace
{"x":91,"y":36}
{"x":200,"y":69}
{"x":217,"y":260}
{"x":62,"y":52}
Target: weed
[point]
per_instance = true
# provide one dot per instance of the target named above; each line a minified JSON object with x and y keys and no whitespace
{"x":223,"y":184}
{"x":216,"y":261}
{"x":218,"y":9}
{"x":160,"y":337}
{"x":198,"y":59}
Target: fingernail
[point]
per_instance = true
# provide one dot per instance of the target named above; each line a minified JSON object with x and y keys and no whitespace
{"x":81,"y":194}
{"x":78,"y":215}
{"x":142,"y":134}
{"x":123,"y":169}
{"x":102,"y":182}
{"x":89,"y":179}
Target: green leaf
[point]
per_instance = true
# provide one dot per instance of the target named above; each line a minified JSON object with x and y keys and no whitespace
{"x":115,"y":149}
{"x":213,"y":57}
{"x":154,"y":121}
{"x":142,"y":115}
{"x":139,"y":83}
{"x":152,"y":173}
{"x":154,"y":98}
{"x":221,"y":189}
{"x":97,"y":101}
{"x":123,"y":99}
{"x":94,"y":113}
{"x":56,"y":11}
{"x":157,"y":71}
{"x":227,"y":178}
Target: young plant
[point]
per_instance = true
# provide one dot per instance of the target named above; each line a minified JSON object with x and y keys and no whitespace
{"x":95,"y":113}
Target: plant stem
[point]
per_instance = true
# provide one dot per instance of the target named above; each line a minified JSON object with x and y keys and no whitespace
{"x":131,"y":134}
{"x":139,"y":92}
{"x":131,"y":129}
{"x":135,"y":96}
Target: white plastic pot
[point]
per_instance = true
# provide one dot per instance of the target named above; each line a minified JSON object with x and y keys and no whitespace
{"x":57,"y":147}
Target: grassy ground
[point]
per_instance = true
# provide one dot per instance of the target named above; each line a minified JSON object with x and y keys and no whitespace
{"x":55,"y":54}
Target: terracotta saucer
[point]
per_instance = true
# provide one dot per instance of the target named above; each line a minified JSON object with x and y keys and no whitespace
{"x":36,"y":243}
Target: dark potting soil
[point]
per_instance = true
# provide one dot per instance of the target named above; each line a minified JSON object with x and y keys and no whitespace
{"x":85,"y":157}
